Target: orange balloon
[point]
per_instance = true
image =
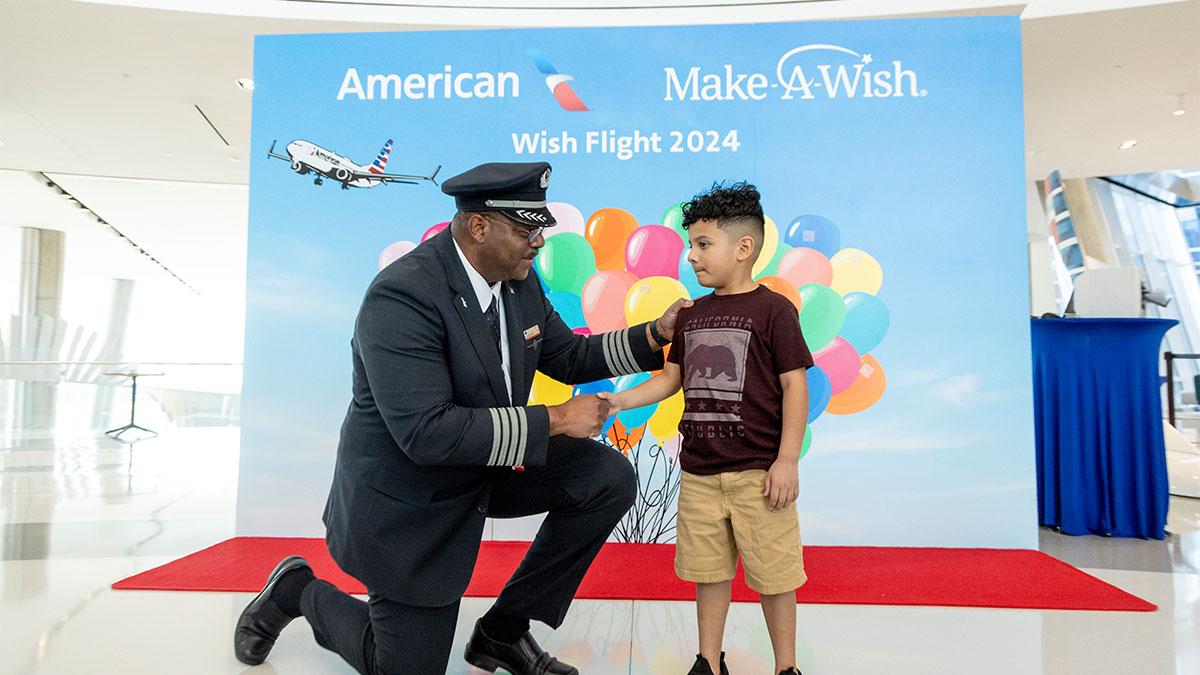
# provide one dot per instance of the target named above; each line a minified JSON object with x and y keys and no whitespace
{"x":864,"y":393}
{"x":782,"y":287}
{"x":607,"y":230}
{"x":625,"y":439}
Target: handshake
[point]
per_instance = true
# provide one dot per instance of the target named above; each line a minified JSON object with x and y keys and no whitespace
{"x":583,"y":416}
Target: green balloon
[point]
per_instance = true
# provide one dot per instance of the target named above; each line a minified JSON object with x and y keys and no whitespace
{"x":772,"y":267}
{"x":673,"y":218}
{"x":806,"y":443}
{"x":822,"y":314}
{"x":566,"y":262}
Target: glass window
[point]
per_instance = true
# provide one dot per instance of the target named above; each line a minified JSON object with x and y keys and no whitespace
{"x":1072,"y":256}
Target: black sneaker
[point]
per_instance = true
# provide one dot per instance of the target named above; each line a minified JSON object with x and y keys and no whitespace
{"x":701,"y":667}
{"x":791,"y":671}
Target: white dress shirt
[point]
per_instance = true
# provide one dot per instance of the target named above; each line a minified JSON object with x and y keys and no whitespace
{"x":484,"y":294}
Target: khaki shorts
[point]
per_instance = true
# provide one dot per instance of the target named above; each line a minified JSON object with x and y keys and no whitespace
{"x":726,"y":514}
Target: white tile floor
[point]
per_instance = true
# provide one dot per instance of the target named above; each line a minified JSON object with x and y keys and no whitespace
{"x":78,"y":514}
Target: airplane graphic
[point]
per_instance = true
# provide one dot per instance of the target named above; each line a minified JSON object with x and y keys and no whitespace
{"x":307,"y":157}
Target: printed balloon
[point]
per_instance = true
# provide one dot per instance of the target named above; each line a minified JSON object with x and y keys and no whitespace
{"x":648,"y":298}
{"x":840,"y":362}
{"x":770,"y":245}
{"x":804,"y":265}
{"x":395,"y":252}
{"x":603,"y":299}
{"x":607,"y":231}
{"x":565,"y":263}
{"x":867,"y":321}
{"x":855,"y":270}
{"x":652,"y":251}
{"x":821,"y":315}
{"x":816,"y":232}
{"x":567,"y":218}
{"x":866,"y":391}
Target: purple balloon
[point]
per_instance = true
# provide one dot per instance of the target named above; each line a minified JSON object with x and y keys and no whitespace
{"x":653,"y":251}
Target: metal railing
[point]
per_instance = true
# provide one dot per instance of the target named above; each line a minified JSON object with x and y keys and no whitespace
{"x":1169,"y":358}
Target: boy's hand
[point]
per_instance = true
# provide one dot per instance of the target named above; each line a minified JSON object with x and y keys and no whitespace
{"x":782,"y":485}
{"x":616,"y":402}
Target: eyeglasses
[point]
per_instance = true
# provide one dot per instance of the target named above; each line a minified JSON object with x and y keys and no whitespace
{"x":531,"y":232}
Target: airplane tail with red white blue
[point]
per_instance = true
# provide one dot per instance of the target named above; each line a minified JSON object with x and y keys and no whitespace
{"x":380,"y":163}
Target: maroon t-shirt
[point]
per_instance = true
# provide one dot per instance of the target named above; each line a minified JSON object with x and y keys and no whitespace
{"x":731,"y":350}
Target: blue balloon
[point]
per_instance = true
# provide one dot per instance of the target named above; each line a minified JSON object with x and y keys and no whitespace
{"x":568,"y":306}
{"x":867,"y":321}
{"x":819,"y":391}
{"x":595,"y":388}
{"x":635,"y":417}
{"x":814,"y":232}
{"x":688,"y":278}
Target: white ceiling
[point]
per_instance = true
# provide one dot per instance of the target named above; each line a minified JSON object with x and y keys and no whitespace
{"x":97,"y":92}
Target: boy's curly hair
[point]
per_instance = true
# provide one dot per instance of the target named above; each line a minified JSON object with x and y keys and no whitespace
{"x":731,"y":206}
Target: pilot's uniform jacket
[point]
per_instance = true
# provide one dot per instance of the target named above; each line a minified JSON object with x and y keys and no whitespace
{"x":431,"y":426}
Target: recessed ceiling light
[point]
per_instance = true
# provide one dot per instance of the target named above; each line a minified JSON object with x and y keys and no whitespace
{"x":1179,"y":109}
{"x":1127,"y":144}
{"x":169,"y":154}
{"x":246,"y":83}
{"x":234,"y":159}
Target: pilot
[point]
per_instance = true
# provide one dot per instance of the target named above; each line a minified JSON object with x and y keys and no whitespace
{"x":445,"y":348}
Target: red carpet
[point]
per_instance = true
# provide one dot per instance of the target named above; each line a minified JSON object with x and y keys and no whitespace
{"x":842,"y":575}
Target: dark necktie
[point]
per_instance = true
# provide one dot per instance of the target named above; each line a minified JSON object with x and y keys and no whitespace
{"x":493,"y":318}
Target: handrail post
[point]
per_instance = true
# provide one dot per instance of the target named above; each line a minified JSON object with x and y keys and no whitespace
{"x":1170,"y":359}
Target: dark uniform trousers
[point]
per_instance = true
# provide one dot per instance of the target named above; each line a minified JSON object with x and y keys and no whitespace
{"x":585,"y":488}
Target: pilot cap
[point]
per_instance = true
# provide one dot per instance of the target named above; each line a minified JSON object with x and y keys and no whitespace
{"x":518,"y":190}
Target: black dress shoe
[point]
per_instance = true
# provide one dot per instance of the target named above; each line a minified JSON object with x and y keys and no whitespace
{"x":701,"y":667}
{"x":261,"y":622}
{"x":523,"y":657}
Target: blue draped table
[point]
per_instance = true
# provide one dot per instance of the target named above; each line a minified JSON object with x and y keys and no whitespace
{"x":1101,"y":463}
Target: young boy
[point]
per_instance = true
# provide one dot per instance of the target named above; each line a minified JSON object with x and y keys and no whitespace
{"x":740,"y":358}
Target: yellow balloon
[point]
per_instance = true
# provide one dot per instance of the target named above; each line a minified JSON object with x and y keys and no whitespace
{"x":648,"y":298}
{"x":770,"y":245}
{"x":548,"y":391}
{"x":664,"y":423}
{"x":855,"y":270}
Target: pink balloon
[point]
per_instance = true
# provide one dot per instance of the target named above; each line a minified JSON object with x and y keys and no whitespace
{"x":603,"y":299}
{"x":653,"y":251}
{"x":567,"y":218}
{"x":394,"y":252}
{"x":582,"y":330}
{"x":434,"y":230}
{"x":805,"y":265}
{"x":840,"y":362}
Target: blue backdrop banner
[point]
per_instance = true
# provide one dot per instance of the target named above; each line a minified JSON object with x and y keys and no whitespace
{"x":890,"y":159}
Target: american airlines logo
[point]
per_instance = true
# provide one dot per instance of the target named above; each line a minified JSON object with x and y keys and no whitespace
{"x":558,"y":83}
{"x":804,"y":73}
